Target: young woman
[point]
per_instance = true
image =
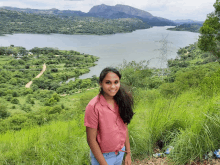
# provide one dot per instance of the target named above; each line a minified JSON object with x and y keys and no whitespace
{"x":106,"y":118}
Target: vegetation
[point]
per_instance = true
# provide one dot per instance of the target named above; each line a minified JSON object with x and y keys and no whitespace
{"x":175,"y":108}
{"x":44,"y":124}
{"x":210,"y":35}
{"x":192,"y":27}
{"x":22,"y":66}
{"x":20,"y":22}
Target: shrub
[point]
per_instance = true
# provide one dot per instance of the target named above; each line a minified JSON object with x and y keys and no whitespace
{"x":3,"y":112}
{"x":2,"y":92}
{"x":16,"y":121}
{"x":8,"y":97}
{"x":26,"y":108}
{"x":14,"y":101}
{"x":15,"y":94}
{"x":30,"y":100}
{"x":55,"y":109}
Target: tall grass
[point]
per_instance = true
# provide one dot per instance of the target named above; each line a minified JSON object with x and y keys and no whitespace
{"x":190,"y":123}
{"x":57,"y":143}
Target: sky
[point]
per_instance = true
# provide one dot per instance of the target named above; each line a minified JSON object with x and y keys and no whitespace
{"x":170,"y":9}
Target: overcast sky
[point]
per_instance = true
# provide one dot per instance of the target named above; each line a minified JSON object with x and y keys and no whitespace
{"x":170,"y":9}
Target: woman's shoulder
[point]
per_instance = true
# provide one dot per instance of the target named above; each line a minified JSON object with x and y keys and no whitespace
{"x":94,"y":101}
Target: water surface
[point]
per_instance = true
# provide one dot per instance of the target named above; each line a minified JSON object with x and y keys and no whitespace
{"x":112,"y":49}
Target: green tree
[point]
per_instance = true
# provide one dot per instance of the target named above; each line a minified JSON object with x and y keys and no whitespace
{"x":3,"y":112}
{"x":210,"y":32}
{"x":15,"y":101}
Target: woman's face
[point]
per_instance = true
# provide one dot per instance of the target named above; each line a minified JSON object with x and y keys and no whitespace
{"x":110,"y":85}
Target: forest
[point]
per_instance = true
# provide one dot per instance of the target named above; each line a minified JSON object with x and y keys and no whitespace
{"x":19,"y":22}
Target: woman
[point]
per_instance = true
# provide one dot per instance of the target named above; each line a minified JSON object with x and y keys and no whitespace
{"x":106,"y":119}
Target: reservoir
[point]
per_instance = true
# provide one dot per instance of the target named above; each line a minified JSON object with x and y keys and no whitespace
{"x":145,"y":44}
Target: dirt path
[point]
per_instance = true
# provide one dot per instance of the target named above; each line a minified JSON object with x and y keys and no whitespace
{"x":29,"y":84}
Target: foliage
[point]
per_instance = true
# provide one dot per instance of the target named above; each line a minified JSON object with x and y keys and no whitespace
{"x":14,"y":101}
{"x":210,"y":38}
{"x":4,"y":112}
{"x":21,"y":22}
{"x":178,"y":108}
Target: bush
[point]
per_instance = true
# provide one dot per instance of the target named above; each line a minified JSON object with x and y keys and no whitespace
{"x":14,"y":101}
{"x":15,"y":94}
{"x":3,"y":112}
{"x":2,"y":92}
{"x":55,"y":109}
{"x":30,"y":100}
{"x":8,"y":97}
{"x":16,"y":122}
{"x":26,"y":108}
{"x":169,"y":89}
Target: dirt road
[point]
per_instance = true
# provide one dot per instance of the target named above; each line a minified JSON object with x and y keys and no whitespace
{"x":28,"y":85}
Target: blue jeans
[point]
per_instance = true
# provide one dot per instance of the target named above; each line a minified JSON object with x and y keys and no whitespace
{"x":110,"y":158}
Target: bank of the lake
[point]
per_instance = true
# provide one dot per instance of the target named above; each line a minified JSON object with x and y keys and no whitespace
{"x":112,"y":49}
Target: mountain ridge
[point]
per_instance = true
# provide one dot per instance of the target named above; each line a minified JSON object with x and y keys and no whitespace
{"x":103,"y":11}
{"x":121,"y":8}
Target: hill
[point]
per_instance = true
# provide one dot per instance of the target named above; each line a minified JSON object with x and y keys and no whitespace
{"x":23,"y":22}
{"x":192,"y":27}
{"x":106,"y":11}
{"x":40,"y":125}
{"x":103,"y":11}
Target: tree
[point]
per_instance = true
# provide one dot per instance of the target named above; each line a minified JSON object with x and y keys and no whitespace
{"x":210,"y":32}
{"x":3,"y":112}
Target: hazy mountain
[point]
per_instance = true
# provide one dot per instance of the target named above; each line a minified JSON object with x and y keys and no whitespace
{"x":104,"y":11}
{"x":125,"y":11}
{"x":52,"y":11}
{"x":120,"y":8}
{"x":188,"y":21}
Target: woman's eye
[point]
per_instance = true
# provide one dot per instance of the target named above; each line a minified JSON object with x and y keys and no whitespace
{"x":108,"y":82}
{"x":116,"y":82}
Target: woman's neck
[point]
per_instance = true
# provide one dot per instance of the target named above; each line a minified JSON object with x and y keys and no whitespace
{"x":108,"y":98}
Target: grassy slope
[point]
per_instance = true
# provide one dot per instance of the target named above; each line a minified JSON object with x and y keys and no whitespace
{"x":183,"y":122}
{"x":189,"y":121}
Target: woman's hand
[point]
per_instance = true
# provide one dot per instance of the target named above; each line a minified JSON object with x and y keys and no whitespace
{"x":128,"y":159}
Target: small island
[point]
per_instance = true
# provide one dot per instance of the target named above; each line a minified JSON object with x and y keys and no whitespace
{"x":192,"y":27}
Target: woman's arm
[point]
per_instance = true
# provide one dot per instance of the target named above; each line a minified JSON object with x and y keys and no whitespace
{"x":94,"y":146}
{"x":128,"y":150}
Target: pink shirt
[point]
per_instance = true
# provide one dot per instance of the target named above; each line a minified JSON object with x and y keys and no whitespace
{"x":110,"y":126}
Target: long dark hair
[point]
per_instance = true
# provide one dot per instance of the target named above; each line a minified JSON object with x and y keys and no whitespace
{"x":123,"y":98}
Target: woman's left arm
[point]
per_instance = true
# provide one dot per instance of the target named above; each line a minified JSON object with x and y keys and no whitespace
{"x":128,"y":150}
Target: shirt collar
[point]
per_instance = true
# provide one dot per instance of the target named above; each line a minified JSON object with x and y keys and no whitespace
{"x":104,"y":103}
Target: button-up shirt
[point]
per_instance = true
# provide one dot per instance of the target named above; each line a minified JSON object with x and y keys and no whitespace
{"x":111,"y":130}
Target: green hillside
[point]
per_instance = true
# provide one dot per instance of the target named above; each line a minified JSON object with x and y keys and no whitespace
{"x":19,"y":22}
{"x":44,"y":124}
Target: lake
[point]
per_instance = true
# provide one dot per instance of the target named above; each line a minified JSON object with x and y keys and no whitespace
{"x":139,"y":45}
